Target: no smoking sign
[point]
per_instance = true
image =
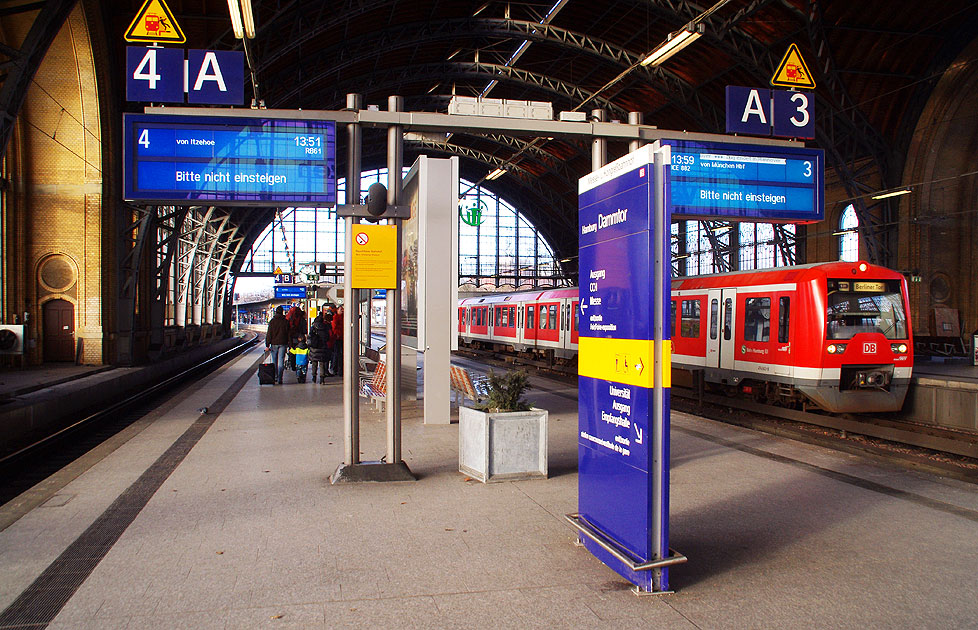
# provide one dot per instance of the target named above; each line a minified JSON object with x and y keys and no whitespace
{"x":362,"y":238}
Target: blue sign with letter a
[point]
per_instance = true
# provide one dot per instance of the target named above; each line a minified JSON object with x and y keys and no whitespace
{"x":748,"y":110}
{"x":762,"y":112}
{"x":215,"y":77}
{"x":157,"y":75}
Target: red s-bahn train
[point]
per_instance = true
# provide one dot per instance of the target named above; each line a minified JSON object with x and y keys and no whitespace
{"x":835,"y":336}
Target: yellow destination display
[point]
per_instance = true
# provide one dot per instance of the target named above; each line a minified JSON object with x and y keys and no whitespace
{"x":155,"y":23}
{"x":628,"y":361}
{"x":374,"y":256}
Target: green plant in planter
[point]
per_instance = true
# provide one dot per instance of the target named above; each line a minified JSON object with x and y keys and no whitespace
{"x":505,"y":391}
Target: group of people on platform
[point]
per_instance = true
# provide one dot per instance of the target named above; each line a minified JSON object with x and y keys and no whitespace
{"x":319,"y":346}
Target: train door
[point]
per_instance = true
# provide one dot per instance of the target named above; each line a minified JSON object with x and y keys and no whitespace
{"x":727,"y":332}
{"x":575,"y":321}
{"x":714,"y":332}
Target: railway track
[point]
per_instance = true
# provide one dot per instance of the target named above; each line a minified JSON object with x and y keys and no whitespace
{"x":937,"y":450}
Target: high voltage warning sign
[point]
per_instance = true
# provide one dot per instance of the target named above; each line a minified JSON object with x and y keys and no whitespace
{"x":792,"y":72}
{"x":155,"y":23}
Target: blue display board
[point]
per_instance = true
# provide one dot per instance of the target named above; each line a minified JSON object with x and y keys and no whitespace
{"x":737,"y":182}
{"x":623,"y":471}
{"x":290,"y":293}
{"x":185,"y":160}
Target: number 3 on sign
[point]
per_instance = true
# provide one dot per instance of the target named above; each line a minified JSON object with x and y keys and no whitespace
{"x":801,"y":102}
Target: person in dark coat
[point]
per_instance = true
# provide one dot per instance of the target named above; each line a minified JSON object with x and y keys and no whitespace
{"x":277,"y":341}
{"x":337,"y":361}
{"x":319,"y":351}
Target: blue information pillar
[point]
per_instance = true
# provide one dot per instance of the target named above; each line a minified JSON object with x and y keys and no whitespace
{"x":624,"y":367}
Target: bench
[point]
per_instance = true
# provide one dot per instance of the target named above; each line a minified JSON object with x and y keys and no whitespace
{"x":464,"y":386}
{"x":374,"y":386}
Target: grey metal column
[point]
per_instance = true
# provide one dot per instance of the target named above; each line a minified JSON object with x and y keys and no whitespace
{"x":599,"y":146}
{"x":351,"y":336}
{"x":635,"y":118}
{"x":395,"y":160}
{"x":660,"y":467}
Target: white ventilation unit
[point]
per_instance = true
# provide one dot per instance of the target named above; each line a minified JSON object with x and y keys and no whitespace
{"x":12,"y":339}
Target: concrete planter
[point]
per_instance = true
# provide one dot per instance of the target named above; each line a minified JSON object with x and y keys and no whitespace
{"x":503,"y":446}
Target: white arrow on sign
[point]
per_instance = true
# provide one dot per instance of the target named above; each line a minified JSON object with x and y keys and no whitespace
{"x":638,"y":430}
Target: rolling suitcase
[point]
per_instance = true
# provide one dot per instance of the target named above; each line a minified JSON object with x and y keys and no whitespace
{"x":266,"y":373}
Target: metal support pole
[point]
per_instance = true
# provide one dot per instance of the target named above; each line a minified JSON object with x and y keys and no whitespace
{"x":395,"y":160}
{"x":599,"y":147}
{"x":635,"y":118}
{"x":351,"y":336}
{"x":660,"y":467}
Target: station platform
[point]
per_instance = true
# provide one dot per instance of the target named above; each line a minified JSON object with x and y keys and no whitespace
{"x":943,"y":392}
{"x":39,"y":401}
{"x":227,"y":519}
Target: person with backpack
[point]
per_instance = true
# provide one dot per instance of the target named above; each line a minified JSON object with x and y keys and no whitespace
{"x":300,"y":354}
{"x":319,"y":351}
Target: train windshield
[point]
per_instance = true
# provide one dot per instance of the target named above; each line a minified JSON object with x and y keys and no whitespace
{"x":858,"y":306}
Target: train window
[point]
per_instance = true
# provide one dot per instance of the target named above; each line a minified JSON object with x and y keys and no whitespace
{"x":757,"y":319}
{"x":727,"y":318}
{"x":690,"y":326}
{"x":553,"y":317}
{"x":530,"y":321}
{"x":672,"y":320}
{"x":714,"y":320}
{"x":543,"y":317}
{"x":784,"y":307}
{"x":856,"y":307}
{"x":512,"y":315}
{"x":577,"y":315}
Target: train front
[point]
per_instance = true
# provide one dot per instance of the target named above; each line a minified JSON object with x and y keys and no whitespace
{"x":867,"y":351}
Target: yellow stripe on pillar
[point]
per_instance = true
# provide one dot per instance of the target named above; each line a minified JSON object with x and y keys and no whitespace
{"x":628,"y":361}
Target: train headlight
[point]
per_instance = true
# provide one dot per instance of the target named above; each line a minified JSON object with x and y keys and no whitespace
{"x":836,"y":348}
{"x":863,"y":267}
{"x":899,"y":348}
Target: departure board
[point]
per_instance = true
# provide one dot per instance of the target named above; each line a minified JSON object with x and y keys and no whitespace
{"x":189,"y":160}
{"x":746,"y":182}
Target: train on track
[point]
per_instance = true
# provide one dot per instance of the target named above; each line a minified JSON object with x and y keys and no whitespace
{"x":834,"y":336}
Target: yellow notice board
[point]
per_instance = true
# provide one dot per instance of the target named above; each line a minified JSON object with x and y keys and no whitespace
{"x":374,"y":259}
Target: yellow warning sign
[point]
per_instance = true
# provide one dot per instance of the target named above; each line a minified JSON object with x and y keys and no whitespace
{"x":374,"y":256}
{"x":792,"y":72}
{"x":278,"y":271}
{"x":155,"y":23}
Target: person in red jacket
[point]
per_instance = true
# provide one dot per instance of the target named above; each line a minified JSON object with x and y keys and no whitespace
{"x":336,"y":365}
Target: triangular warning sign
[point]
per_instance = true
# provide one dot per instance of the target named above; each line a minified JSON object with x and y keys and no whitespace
{"x":278,"y":271}
{"x":792,"y":71}
{"x":155,"y":23}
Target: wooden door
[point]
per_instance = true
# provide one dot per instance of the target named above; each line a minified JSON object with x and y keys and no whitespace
{"x":59,"y":331}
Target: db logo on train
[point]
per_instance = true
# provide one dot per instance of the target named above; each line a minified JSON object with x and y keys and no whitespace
{"x":869,"y":348}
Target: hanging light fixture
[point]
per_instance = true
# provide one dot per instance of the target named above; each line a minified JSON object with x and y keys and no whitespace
{"x":673,"y":44}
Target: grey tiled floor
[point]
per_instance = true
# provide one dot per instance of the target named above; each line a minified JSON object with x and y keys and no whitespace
{"x":249,"y":533}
